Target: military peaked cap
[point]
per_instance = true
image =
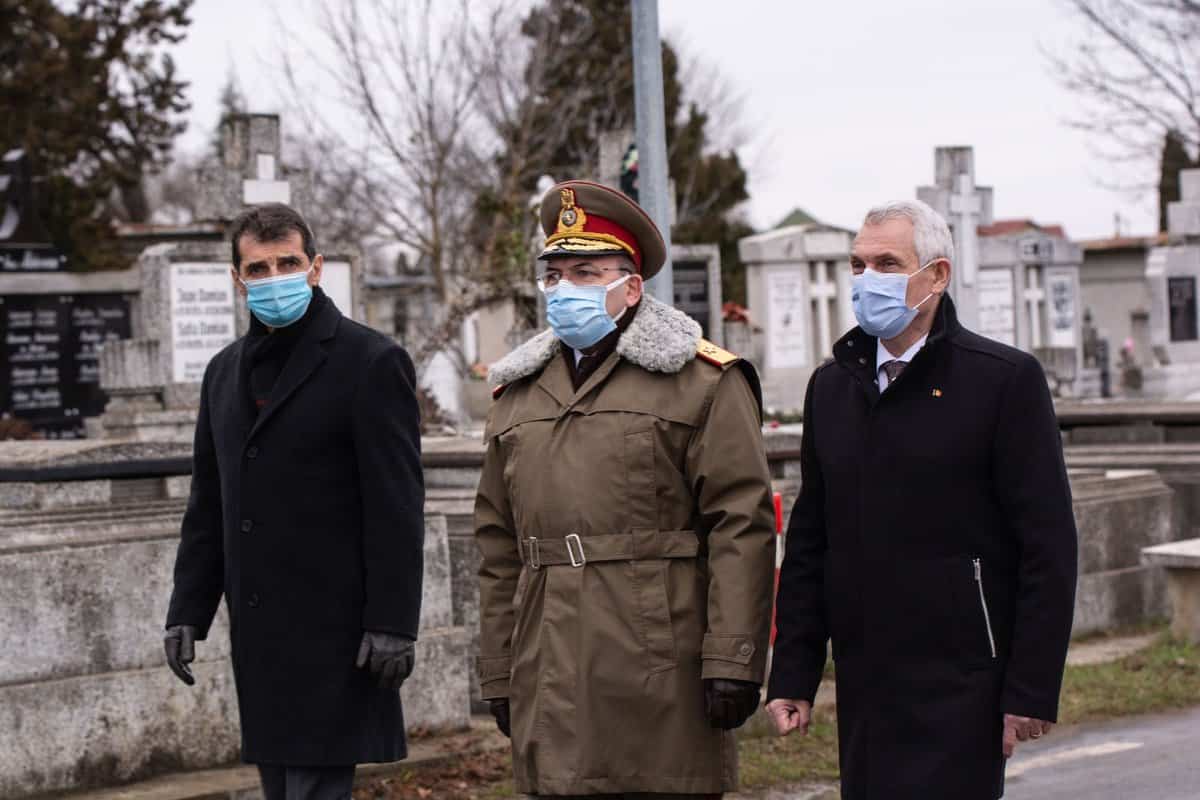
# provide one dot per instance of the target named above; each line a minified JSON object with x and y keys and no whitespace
{"x":581,"y":218}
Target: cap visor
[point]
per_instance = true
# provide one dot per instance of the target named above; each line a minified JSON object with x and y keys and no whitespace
{"x":577,"y":246}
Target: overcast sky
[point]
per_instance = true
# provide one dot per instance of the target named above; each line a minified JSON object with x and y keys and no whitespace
{"x":846,"y":101}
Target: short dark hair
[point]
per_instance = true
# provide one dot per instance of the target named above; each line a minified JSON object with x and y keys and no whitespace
{"x":270,"y":222}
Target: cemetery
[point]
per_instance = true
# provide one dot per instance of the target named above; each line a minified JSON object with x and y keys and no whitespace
{"x":107,"y":367}
{"x":100,"y":382}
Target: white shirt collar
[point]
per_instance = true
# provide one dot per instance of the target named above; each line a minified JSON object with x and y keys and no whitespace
{"x":883,"y":355}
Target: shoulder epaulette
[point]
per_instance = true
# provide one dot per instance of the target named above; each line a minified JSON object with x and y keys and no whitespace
{"x":714,"y":355}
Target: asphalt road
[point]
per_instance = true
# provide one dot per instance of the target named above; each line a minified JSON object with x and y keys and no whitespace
{"x":1136,"y":758}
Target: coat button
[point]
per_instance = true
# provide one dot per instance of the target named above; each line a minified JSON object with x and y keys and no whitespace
{"x":862,"y":361}
{"x":850,"y":343}
{"x":252,"y":452}
{"x":247,"y":526}
{"x":746,"y":649}
{"x":253,"y":601}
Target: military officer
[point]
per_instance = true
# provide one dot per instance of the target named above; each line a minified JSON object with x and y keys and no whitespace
{"x":625,"y":523}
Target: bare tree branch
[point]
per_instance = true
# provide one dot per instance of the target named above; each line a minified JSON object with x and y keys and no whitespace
{"x":1136,"y":68}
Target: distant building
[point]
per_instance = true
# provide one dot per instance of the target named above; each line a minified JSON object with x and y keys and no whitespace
{"x":1115,"y":291}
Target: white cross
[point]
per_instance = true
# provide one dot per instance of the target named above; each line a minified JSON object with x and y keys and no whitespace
{"x":265,"y":189}
{"x":823,"y":294}
{"x":966,"y":207}
{"x":1034,"y":298}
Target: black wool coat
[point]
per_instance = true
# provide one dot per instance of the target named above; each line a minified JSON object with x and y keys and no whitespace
{"x":934,"y":543}
{"x":309,"y":520}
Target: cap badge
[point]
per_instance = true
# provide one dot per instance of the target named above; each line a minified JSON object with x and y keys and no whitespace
{"x":571,"y":218}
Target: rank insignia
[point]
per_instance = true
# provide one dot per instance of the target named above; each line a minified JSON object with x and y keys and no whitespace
{"x":571,"y":217}
{"x":718,"y":356}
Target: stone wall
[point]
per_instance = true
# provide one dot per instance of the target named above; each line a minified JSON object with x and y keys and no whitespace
{"x":85,"y":697}
{"x":85,"y":565}
{"x":1177,"y":464}
{"x":1118,"y":513}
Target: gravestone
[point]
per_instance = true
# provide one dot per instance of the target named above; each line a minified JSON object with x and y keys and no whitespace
{"x":617,"y":167}
{"x":965,"y":207}
{"x":49,"y":356}
{"x":250,"y":170}
{"x":1028,"y":297}
{"x":798,"y":288}
{"x":24,"y":243}
{"x":53,"y":323}
{"x":997,"y":309}
{"x":188,"y":313}
{"x":697,"y":285}
{"x":1181,"y":309}
{"x":614,"y":146}
{"x":1173,"y":275}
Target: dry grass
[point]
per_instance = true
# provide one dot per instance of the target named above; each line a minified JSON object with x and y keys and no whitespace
{"x":1164,"y":676}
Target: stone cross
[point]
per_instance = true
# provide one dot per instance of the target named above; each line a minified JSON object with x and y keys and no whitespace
{"x":264,"y":188}
{"x":249,"y":171}
{"x":1035,"y":296}
{"x":965,"y":206}
{"x":824,"y":295}
{"x":966,"y":210}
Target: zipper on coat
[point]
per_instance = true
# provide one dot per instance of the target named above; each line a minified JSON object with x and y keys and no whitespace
{"x":987,"y":617}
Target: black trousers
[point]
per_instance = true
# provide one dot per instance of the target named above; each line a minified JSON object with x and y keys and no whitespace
{"x":306,"y":783}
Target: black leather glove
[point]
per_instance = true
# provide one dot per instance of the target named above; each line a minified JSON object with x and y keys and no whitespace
{"x":180,"y":644}
{"x":500,"y":712}
{"x":389,"y":657}
{"x":729,"y":703}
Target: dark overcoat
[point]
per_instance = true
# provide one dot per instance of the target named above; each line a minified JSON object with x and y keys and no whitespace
{"x":309,"y":520}
{"x":934,"y":542}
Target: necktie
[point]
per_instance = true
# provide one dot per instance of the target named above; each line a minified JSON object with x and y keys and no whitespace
{"x":893,"y":369}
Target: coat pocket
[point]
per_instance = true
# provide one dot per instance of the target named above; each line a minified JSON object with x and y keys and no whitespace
{"x":983,"y":607}
{"x":654,"y":614}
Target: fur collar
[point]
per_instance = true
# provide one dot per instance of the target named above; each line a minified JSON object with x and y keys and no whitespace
{"x":660,"y":339}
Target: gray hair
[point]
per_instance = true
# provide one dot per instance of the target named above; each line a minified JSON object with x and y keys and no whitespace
{"x":931,"y":234}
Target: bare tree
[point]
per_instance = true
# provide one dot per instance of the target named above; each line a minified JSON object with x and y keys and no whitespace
{"x":406,"y":92}
{"x":438,"y":122}
{"x":435,"y":143}
{"x":1137,"y":69}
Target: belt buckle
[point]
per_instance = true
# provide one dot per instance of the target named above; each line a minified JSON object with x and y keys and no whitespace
{"x":575,"y":562}
{"x":535,"y":554}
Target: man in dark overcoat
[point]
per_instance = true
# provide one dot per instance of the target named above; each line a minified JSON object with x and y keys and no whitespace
{"x":306,"y":513}
{"x":933,"y":540}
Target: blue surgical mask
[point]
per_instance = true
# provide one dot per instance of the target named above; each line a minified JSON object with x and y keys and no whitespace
{"x":579,"y":314}
{"x":280,"y":300}
{"x":881,"y":302}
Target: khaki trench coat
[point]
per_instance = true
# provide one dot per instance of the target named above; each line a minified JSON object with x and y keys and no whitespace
{"x":628,"y":553}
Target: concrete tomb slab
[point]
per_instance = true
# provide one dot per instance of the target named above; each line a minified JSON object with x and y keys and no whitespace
{"x":1182,"y":562}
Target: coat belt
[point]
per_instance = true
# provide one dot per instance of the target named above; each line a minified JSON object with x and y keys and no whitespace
{"x":577,"y":550}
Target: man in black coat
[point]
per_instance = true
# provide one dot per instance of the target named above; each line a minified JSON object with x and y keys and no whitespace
{"x":306,"y":513}
{"x":933,"y":540}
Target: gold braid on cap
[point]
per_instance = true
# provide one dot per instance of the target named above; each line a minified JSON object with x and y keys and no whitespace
{"x":570,"y":229}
